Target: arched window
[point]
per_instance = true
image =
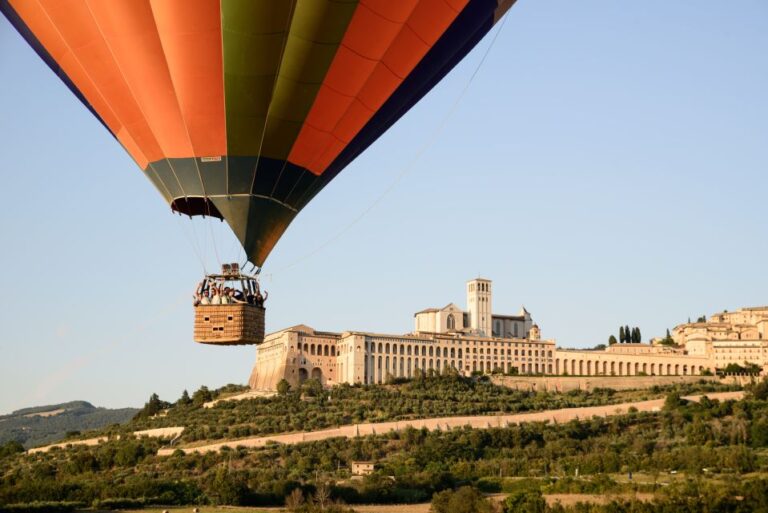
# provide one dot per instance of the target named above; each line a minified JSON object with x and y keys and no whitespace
{"x":451,"y":322}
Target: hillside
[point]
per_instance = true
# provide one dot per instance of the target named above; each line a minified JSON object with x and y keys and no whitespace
{"x":709,"y":452}
{"x":47,"y":424}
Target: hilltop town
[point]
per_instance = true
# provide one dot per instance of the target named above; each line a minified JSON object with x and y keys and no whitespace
{"x":479,"y":341}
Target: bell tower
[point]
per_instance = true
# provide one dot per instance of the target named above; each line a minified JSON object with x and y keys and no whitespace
{"x":479,"y":306}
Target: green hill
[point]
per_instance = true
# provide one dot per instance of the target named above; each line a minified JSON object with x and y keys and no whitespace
{"x":47,"y":424}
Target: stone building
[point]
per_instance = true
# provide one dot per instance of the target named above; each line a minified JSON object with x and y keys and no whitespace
{"x":479,"y":341}
{"x":479,"y":318}
{"x":728,"y":337}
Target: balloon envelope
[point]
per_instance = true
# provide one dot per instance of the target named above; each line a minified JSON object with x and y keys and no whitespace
{"x":245,"y":109}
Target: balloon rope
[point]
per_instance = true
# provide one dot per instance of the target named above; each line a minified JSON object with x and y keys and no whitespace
{"x":194,"y":247}
{"x":410,"y":165}
{"x":215,"y":248}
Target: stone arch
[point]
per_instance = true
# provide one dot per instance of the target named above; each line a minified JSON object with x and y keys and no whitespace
{"x":317,"y":374}
{"x":589,"y":367}
{"x":303,"y":375}
{"x":677,"y":369}
{"x":621,"y":368}
{"x":325,"y":350}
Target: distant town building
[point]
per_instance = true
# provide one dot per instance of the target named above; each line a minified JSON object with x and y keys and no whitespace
{"x":362,"y":468}
{"x":476,"y":340}
{"x":728,"y":337}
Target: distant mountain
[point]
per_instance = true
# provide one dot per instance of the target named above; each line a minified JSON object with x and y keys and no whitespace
{"x":48,"y":424}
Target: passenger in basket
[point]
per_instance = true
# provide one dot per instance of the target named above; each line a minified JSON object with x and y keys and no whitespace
{"x":216,"y":298}
{"x":201,"y":292}
{"x":259,"y":300}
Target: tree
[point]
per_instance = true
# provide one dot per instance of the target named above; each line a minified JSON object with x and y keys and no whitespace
{"x":152,"y":407}
{"x":673,"y":401}
{"x":201,"y":396}
{"x":639,"y":335}
{"x":295,"y":500}
{"x":627,"y":334}
{"x":184,"y":400}
{"x":464,"y":500}
{"x":759,"y":391}
{"x":10,"y":448}
{"x":312,"y":387}
{"x":528,"y":501}
{"x":611,"y":340}
{"x":703,"y":318}
{"x":322,"y":496}
{"x":283,"y":387}
{"x":621,"y":334}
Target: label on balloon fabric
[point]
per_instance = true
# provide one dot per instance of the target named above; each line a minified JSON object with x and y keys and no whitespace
{"x":210,"y":159}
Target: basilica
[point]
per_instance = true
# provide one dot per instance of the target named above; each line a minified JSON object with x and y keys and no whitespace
{"x":476,"y":340}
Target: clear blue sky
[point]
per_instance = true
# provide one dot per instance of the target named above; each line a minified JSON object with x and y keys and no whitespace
{"x":608,"y":165}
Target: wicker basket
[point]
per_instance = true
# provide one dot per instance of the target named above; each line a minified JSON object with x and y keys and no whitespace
{"x":229,"y":325}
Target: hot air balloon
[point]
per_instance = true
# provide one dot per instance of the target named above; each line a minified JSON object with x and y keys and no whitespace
{"x":244,"y":110}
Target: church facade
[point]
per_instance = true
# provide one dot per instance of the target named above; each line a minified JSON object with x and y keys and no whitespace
{"x":476,"y":340}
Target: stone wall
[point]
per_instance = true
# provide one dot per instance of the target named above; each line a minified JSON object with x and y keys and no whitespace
{"x":566,"y":383}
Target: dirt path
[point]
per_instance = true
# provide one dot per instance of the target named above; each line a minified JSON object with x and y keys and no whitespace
{"x":445,"y":423}
{"x":168,"y":432}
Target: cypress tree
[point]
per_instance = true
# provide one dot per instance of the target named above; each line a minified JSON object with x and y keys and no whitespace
{"x":627,"y":334}
{"x":621,"y":334}
{"x":639,"y":335}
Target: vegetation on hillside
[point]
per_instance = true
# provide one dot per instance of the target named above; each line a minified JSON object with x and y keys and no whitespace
{"x":312,"y":408}
{"x":48,"y":424}
{"x":706,"y":441}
